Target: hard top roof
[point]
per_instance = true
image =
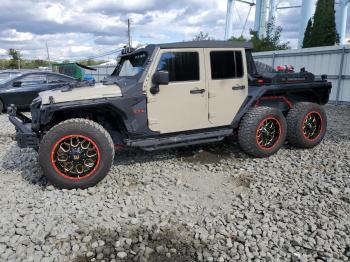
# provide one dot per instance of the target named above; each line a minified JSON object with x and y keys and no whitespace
{"x":192,"y":44}
{"x":207,"y":44}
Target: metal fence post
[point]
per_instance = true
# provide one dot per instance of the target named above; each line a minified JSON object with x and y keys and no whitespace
{"x":340,"y":76}
{"x":273,"y":60}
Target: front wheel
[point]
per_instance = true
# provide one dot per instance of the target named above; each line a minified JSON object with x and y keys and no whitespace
{"x":262,"y":131}
{"x":307,"y":124}
{"x":76,"y":153}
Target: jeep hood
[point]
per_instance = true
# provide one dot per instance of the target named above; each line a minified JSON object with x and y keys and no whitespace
{"x":80,"y":93}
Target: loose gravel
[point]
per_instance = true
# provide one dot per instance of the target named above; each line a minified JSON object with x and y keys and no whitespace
{"x":211,"y":203}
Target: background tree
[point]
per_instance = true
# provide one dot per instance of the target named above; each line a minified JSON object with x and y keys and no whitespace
{"x":270,"y":42}
{"x":202,"y":36}
{"x":15,"y":58}
{"x":91,"y":62}
{"x":238,"y":39}
{"x":323,"y":30}
{"x":307,"y":35}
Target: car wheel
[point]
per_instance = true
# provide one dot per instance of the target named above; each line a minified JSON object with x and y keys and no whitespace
{"x":307,"y":125}
{"x":1,"y":107}
{"x":262,"y":131}
{"x":77,"y":153}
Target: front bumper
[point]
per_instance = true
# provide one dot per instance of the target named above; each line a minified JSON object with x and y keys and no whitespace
{"x":25,"y":137}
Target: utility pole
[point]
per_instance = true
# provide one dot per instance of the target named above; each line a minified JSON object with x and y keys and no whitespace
{"x":18,"y":60}
{"x":48,"y":53}
{"x":272,"y":11}
{"x":260,"y":17}
{"x":307,"y":11}
{"x":341,"y":16}
{"x":229,"y":18}
{"x":129,"y":34}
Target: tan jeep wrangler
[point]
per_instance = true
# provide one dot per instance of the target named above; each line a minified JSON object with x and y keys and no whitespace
{"x":171,"y":95}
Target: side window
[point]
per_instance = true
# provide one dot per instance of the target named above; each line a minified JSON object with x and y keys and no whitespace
{"x":34,"y":79}
{"x":53,"y":79}
{"x":226,"y":64}
{"x":182,"y":66}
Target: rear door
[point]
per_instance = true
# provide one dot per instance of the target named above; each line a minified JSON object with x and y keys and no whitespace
{"x":227,"y":82}
{"x":183,"y":103}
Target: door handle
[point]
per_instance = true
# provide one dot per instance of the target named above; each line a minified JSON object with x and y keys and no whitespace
{"x":197,"y":91}
{"x":238,"y":87}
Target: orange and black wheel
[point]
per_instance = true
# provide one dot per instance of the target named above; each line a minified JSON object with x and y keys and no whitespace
{"x":262,"y":131}
{"x":307,"y":125}
{"x":77,"y":153}
{"x":75,"y":157}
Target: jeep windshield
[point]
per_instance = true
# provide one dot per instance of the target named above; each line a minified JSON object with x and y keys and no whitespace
{"x":131,"y":65}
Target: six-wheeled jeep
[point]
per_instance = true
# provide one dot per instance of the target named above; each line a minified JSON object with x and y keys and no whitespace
{"x":171,"y":95}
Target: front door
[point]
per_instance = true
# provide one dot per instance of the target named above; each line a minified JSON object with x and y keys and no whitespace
{"x":227,"y":83}
{"x":183,"y":103}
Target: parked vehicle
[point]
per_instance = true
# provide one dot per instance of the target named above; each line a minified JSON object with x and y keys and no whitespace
{"x":172,"y":95}
{"x":20,"y":88}
{"x":90,"y":80}
{"x":76,"y":70}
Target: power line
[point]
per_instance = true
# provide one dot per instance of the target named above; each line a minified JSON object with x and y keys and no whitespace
{"x":106,"y":54}
{"x":246,"y":20}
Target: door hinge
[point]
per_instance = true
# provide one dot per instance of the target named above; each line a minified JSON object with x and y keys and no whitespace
{"x":212,"y":94}
{"x":151,"y":99}
{"x":212,"y":115}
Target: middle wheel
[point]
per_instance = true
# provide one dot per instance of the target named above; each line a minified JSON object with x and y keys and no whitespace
{"x":262,"y":131}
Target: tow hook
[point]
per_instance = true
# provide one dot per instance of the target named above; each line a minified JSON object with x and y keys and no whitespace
{"x":11,"y":110}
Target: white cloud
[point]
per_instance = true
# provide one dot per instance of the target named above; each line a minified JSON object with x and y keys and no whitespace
{"x":12,"y":35}
{"x":78,"y":29}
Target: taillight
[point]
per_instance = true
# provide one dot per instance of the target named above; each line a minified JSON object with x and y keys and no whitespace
{"x":260,"y":81}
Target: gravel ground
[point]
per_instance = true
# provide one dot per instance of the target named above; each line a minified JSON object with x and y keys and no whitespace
{"x":209,"y":203}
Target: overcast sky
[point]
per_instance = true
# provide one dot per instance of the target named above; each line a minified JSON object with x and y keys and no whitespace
{"x":76,"y":29}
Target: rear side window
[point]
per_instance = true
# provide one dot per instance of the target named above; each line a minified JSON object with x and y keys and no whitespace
{"x":53,"y":79}
{"x":226,"y":64}
{"x":182,"y":66}
{"x":34,"y":79}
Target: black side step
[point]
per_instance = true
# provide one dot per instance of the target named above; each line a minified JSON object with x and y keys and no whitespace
{"x":151,"y":144}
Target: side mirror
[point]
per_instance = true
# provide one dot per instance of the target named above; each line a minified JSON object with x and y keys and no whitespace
{"x":17,"y":84}
{"x":161,"y":78}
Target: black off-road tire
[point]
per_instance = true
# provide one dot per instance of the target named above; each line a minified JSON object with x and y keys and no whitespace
{"x":1,"y":107}
{"x":295,"y":121}
{"x":249,"y":130}
{"x":82,"y":128}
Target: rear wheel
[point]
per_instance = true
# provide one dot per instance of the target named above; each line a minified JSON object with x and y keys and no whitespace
{"x":262,"y":131}
{"x":77,"y":153}
{"x":307,"y":124}
{"x":1,"y":107}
